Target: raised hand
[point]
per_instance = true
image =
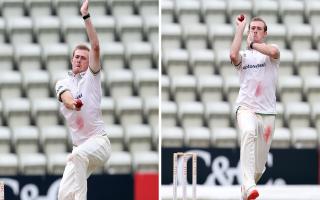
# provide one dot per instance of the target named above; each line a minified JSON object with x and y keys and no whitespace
{"x":241,"y":21}
{"x":85,"y":8}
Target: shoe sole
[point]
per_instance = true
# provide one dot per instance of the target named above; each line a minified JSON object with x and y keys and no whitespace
{"x":253,"y":195}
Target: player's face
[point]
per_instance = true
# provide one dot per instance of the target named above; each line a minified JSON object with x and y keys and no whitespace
{"x":257,"y":32}
{"x":80,"y":61}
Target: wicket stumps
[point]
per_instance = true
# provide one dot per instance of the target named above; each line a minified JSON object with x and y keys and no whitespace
{"x":185,"y":157}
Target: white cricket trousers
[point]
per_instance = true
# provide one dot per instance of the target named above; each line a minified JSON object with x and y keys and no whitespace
{"x":83,"y":160}
{"x":256,"y":135}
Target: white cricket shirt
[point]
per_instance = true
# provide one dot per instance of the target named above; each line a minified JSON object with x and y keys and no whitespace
{"x":88,"y":121}
{"x":258,"y":81}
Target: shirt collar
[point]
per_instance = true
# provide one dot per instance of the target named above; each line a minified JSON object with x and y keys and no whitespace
{"x":71,"y":74}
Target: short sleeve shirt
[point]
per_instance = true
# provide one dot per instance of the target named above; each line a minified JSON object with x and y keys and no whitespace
{"x":258,"y":81}
{"x":88,"y":121}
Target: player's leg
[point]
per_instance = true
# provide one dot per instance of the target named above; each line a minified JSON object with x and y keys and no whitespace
{"x":247,"y":126}
{"x":66,"y":183}
{"x":76,"y":176}
{"x":80,"y":174}
{"x":73,"y":178}
{"x":265,"y":135}
{"x":97,"y":149}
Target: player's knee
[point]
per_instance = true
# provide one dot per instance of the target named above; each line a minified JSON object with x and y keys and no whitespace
{"x":248,"y":135}
{"x":73,"y":155}
{"x":65,"y":196}
{"x":64,"y":193}
{"x":76,"y":156}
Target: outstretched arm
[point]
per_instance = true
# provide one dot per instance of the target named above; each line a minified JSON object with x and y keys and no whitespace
{"x":263,"y":48}
{"x":68,"y":101}
{"x":266,"y":49}
{"x":94,"y":59}
{"x":236,"y":43}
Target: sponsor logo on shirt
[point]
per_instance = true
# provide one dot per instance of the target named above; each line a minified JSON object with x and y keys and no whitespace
{"x":79,"y":96}
{"x":254,"y":66}
{"x":59,"y":88}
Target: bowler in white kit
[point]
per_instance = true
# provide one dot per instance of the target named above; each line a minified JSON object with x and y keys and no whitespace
{"x":91,"y":146}
{"x":256,"y":103}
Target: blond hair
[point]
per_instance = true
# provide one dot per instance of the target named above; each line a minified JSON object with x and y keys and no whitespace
{"x":82,"y":47}
{"x":260,"y":20}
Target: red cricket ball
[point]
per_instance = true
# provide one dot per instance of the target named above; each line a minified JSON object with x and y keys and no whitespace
{"x":241,"y":18}
{"x":78,"y":103}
